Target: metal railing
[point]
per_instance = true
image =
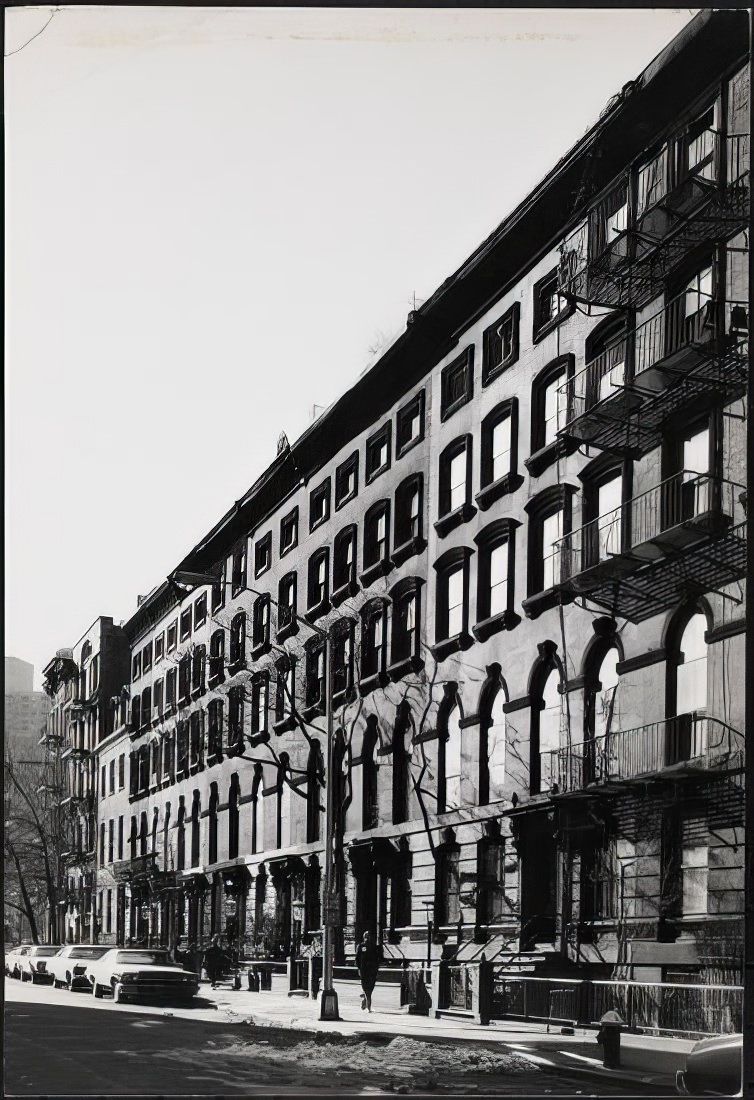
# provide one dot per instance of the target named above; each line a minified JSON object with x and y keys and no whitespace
{"x":683,"y":498}
{"x":694,"y":738}
{"x":677,"y":325}
{"x":693,"y":1010}
{"x":459,"y":987}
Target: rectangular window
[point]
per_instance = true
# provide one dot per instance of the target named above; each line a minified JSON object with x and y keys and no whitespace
{"x":500,"y":448}
{"x":172,"y":639}
{"x":409,"y":424}
{"x":121,"y":771}
{"x":159,"y":648}
{"x":200,"y":611}
{"x":552,"y":531}
{"x":289,"y":531}
{"x":120,"y":838}
{"x":555,"y":401}
{"x":218,"y":591}
{"x":319,"y":504}
{"x":550,"y":307}
{"x":136,"y":666}
{"x":347,"y":480}
{"x":343,"y":661}
{"x":455,"y":594}
{"x":378,"y":453}
{"x":170,"y":688}
{"x":652,"y":182}
{"x":695,"y":875}
{"x":111,"y":774}
{"x":110,"y":840}
{"x":500,"y":344}
{"x":499,"y":579}
{"x":159,"y":698}
{"x":239,"y":568}
{"x":457,"y":383}
{"x":259,"y":704}
{"x":146,"y":657}
{"x":457,"y":480}
{"x":263,"y":554}
{"x":185,"y":624}
{"x":103,"y":783}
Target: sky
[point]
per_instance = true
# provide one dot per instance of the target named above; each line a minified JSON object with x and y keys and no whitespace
{"x":215,"y":218}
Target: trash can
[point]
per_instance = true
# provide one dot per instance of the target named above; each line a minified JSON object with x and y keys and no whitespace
{"x":253,"y":980}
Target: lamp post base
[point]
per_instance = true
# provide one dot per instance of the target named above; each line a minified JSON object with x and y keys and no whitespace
{"x":328,"y":1005}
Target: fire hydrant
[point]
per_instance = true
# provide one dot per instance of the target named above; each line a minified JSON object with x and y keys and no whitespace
{"x":609,"y":1037}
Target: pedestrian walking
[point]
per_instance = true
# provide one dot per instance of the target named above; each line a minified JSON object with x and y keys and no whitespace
{"x":214,"y":957}
{"x":368,"y":959}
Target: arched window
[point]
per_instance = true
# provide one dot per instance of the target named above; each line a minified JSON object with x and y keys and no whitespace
{"x":314,"y":772}
{"x":196,"y":814}
{"x":401,"y":763}
{"x":344,"y":565}
{"x":236,"y":719}
{"x":237,"y":641}
{"x":546,"y":711}
{"x":234,"y":794}
{"x":319,"y":583}
{"x":686,"y":737}
{"x":449,"y":751}
{"x":136,"y":713}
{"x":492,"y":738}
{"x":283,"y":803}
{"x":257,"y":840}
{"x":370,"y":811}
{"x":260,"y":630}
{"x":405,"y":649}
{"x":198,"y":670}
{"x":181,"y":837}
{"x":549,"y":413}
{"x":408,"y":521}
{"x":455,"y":485}
{"x":373,"y":641}
{"x":217,"y":657}
{"x":287,"y":624}
{"x":376,"y":542}
{"x":447,"y":881}
{"x":212,"y":821}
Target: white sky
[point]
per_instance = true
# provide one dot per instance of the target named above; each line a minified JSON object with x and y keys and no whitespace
{"x":212,"y":215}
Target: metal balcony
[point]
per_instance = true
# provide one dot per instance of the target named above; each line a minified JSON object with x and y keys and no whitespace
{"x":612,"y":261}
{"x":75,"y":752}
{"x":682,"y":538}
{"x":622,"y":399}
{"x":689,"y":744}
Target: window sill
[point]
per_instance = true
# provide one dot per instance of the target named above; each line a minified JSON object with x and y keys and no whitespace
{"x":505,"y":620}
{"x":379,"y":569}
{"x":289,"y":630}
{"x":285,"y":725}
{"x":399,"y":669}
{"x":340,"y":698}
{"x":316,"y":710}
{"x":539,"y":461}
{"x":408,"y":550}
{"x":492,"y":373}
{"x":403,"y":448}
{"x":368,"y":684}
{"x":214,"y":758}
{"x":197,"y":691}
{"x":259,"y":739}
{"x":451,"y":520}
{"x":198,"y":767}
{"x":235,"y":748}
{"x":316,"y":612}
{"x":260,"y":572}
{"x":454,"y":644}
{"x":543,"y":601}
{"x":260,"y":650}
{"x":372,"y":475}
{"x":216,"y":679}
{"x":318,"y":522}
{"x":287,"y":549}
{"x":350,"y":588}
{"x":551,"y":325}
{"x":447,"y":412}
{"x":487,"y":496}
{"x":169,"y":710}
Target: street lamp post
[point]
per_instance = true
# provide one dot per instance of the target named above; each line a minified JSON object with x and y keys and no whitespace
{"x":329,"y":997}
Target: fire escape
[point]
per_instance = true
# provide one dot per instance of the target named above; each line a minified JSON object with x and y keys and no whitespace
{"x":665,"y":250}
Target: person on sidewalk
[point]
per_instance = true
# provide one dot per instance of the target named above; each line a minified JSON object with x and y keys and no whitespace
{"x":368,"y":959}
{"x":214,"y":958}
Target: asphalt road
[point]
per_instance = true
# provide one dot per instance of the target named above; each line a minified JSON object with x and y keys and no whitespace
{"x":58,"y":1043}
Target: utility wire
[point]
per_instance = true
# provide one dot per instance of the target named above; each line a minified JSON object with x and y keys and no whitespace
{"x":53,"y":13}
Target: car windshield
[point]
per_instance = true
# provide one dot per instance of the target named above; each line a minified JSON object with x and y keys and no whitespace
{"x":87,"y":952}
{"x":148,"y":958}
{"x":45,"y":950}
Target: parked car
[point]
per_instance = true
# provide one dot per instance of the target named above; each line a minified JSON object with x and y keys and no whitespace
{"x":13,"y":959}
{"x":130,"y":973}
{"x":33,"y":960}
{"x":69,"y":967}
{"x":713,"y":1067}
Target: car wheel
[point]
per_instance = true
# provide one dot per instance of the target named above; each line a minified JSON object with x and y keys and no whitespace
{"x":119,"y":994}
{"x":98,"y":990}
{"x":68,"y":983}
{"x":57,"y":984}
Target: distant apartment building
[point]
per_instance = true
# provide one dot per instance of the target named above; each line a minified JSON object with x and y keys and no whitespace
{"x":523,"y":532}
{"x":25,"y":712}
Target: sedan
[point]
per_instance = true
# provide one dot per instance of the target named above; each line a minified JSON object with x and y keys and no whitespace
{"x":69,"y":967}
{"x":33,"y":962}
{"x":13,"y":959}
{"x":129,"y":973}
{"x":713,"y":1067}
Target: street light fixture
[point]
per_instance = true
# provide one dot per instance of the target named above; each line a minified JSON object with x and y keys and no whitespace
{"x":329,"y":996}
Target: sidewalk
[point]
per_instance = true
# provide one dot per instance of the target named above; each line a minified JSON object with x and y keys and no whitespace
{"x":645,"y":1059}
